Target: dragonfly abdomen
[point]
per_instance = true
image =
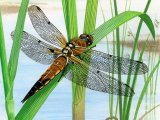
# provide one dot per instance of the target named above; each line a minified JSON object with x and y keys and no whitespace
{"x":56,"y":67}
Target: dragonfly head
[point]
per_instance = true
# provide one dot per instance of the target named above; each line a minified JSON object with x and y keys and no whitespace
{"x":87,"y":38}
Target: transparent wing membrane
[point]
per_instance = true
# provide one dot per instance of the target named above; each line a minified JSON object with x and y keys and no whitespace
{"x":109,"y":63}
{"x":44,"y":27}
{"x":36,"y":49}
{"x":97,"y":80}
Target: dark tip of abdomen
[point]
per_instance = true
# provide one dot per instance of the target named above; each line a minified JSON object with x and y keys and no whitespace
{"x":25,"y":98}
{"x":33,"y":90}
{"x":30,"y":93}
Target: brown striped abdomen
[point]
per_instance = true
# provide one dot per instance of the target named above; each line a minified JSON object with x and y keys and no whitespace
{"x":56,"y":67}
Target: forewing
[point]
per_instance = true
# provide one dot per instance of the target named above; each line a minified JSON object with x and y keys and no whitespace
{"x":44,"y":27}
{"x":109,"y":63}
{"x":36,"y":49}
{"x":97,"y":80}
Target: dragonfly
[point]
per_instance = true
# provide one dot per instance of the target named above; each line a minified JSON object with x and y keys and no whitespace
{"x":88,"y":67}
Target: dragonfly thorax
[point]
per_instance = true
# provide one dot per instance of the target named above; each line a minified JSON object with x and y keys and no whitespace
{"x":70,"y":45}
{"x":67,"y":51}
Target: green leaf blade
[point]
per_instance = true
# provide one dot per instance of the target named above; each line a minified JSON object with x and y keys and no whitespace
{"x":13,"y":61}
{"x":9,"y":102}
{"x":115,"y":22}
{"x":145,"y":88}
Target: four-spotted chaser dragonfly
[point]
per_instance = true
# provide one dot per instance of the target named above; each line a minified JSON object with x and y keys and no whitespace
{"x":88,"y":67}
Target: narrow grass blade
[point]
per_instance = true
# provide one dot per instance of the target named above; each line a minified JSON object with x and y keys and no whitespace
{"x":111,"y":97}
{"x":118,"y":54}
{"x":115,"y":22}
{"x":9,"y":102}
{"x":79,"y":91}
{"x":127,"y":106}
{"x":90,"y":16}
{"x":70,"y":16}
{"x":3,"y":59}
{"x":89,"y":26}
{"x":146,"y":113}
{"x":13,"y":61}
{"x":126,"y":115}
{"x":145,"y":89}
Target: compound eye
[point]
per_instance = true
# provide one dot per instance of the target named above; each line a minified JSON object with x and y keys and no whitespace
{"x":88,"y":36}
{"x":82,"y":36}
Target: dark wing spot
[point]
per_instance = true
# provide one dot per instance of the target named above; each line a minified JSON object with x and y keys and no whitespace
{"x":139,"y":62}
{"x":49,"y":22}
{"x":51,"y":50}
{"x":39,"y":41}
{"x":38,"y":8}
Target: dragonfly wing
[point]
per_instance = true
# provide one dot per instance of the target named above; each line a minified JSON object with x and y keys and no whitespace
{"x":44,"y":27}
{"x":97,"y":80}
{"x":109,"y":63}
{"x":36,"y":49}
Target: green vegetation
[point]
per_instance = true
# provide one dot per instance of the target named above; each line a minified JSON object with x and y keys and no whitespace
{"x":124,"y":111}
{"x":32,"y":106}
{"x":9,"y":70}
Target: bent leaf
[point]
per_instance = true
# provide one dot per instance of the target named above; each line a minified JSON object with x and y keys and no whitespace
{"x":115,"y":22}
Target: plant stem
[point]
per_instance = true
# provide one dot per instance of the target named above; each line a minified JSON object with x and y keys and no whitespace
{"x":9,"y":102}
{"x":127,"y":101}
{"x":118,"y":54}
{"x":145,"y":89}
{"x":13,"y":61}
{"x":146,"y":113}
